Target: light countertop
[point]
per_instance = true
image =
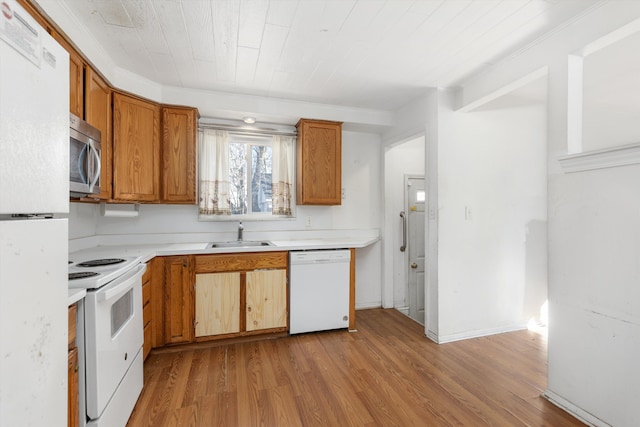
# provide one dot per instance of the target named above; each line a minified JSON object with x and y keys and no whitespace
{"x":76,"y":295}
{"x":148,"y":251}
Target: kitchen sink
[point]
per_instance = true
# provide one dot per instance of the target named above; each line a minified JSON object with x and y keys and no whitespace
{"x":240,"y":244}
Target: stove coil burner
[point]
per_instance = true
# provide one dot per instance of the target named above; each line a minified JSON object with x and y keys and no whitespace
{"x":101,"y":262}
{"x":82,"y":275}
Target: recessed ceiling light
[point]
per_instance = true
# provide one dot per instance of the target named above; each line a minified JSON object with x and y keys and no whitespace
{"x":249,"y":120}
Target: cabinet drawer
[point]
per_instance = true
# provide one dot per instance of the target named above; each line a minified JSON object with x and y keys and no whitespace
{"x":72,"y":326}
{"x":146,"y":314}
{"x":146,"y":345}
{"x":146,"y":293}
{"x":240,"y":262}
{"x":147,"y":274}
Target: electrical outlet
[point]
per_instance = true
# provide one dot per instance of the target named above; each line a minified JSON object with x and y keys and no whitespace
{"x":308,"y":222}
{"x":467,"y":213}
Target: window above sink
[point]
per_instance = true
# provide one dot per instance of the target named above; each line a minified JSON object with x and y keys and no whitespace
{"x":244,"y":175}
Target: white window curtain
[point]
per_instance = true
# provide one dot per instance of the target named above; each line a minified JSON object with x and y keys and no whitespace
{"x":283,"y":150}
{"x":214,"y":173}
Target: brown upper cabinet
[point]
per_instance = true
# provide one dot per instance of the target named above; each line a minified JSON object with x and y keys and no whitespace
{"x":76,"y":75}
{"x":76,"y":84}
{"x":149,"y":166}
{"x":179,"y":127}
{"x":319,"y":162}
{"x":136,"y":149}
{"x":76,"y":64}
{"x":98,"y":113}
{"x":148,"y":149}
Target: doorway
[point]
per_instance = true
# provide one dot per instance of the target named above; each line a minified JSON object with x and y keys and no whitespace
{"x":402,"y":160}
{"x":416,"y":197}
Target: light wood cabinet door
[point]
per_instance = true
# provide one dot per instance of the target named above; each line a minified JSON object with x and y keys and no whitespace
{"x":136,"y":149}
{"x":266,"y":294}
{"x":217,"y":304}
{"x":98,"y":113}
{"x":179,"y":155}
{"x":178,"y":299}
{"x":319,"y":163}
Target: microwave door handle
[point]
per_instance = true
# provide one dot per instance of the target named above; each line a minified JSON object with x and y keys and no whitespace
{"x":81,"y":166}
{"x":96,"y":176}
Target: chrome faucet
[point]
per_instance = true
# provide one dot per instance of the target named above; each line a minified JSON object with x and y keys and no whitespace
{"x":240,"y":228}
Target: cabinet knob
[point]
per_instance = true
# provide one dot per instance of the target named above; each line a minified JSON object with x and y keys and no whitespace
{"x":414,"y":265}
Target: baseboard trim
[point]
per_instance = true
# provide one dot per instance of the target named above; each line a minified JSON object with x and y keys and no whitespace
{"x":433,"y":336}
{"x":366,"y":306}
{"x":440,"y":339}
{"x":581,"y":414}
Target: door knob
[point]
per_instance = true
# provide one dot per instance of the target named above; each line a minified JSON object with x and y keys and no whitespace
{"x":414,"y":265}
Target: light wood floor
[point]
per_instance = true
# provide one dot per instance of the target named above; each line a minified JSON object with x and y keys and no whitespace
{"x":386,"y":374}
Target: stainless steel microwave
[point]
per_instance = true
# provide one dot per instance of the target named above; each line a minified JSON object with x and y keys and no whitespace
{"x":85,"y":150}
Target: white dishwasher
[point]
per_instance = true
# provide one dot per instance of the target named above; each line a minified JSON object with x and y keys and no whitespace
{"x":318,"y":290}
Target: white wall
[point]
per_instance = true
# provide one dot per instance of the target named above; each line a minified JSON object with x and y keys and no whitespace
{"x":492,"y":219}
{"x":83,"y":219}
{"x":594,"y":297}
{"x":406,"y":158}
{"x":360,"y":212}
{"x":609,"y":114}
{"x":593,"y":239}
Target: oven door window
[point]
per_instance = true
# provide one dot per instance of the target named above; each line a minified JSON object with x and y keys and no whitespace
{"x":121,"y":312}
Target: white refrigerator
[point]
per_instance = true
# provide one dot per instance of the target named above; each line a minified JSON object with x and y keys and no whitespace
{"x":34,"y":206}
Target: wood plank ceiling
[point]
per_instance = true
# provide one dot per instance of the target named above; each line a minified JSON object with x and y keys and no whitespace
{"x":362,"y":53}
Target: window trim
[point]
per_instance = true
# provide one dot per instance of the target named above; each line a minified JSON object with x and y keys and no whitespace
{"x":251,"y":139}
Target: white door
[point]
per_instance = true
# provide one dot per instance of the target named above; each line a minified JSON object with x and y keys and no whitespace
{"x":416,"y":200}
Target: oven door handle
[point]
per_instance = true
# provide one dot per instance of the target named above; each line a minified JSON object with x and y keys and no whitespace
{"x":126,"y":282}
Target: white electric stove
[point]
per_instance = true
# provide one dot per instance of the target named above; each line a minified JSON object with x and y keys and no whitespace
{"x":93,"y":273}
{"x":110,"y":337}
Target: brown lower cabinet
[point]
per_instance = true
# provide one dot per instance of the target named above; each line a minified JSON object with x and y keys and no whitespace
{"x":240,"y":294}
{"x":178,"y":299}
{"x":73,"y":405}
{"x":205,"y":297}
{"x":146,"y":311}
